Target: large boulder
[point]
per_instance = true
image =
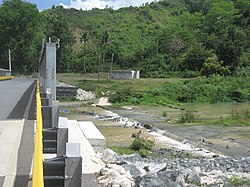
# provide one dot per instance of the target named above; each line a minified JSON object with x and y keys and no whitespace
{"x":141,"y":134}
{"x":149,"y":180}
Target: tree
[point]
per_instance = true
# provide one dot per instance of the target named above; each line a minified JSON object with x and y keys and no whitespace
{"x":104,"y":38}
{"x":103,"y":44}
{"x":194,"y":58}
{"x":231,"y":46}
{"x":57,"y":26}
{"x":214,"y":67}
{"x":84,"y":40}
{"x":224,"y":37}
{"x":20,"y":27}
{"x":198,"y":6}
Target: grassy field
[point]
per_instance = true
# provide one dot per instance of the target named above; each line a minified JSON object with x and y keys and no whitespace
{"x":90,"y":82}
{"x":154,"y":96}
{"x":219,"y":120}
{"x":146,"y":91}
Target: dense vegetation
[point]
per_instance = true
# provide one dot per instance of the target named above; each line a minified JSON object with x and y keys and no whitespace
{"x":201,"y":90}
{"x":167,"y":38}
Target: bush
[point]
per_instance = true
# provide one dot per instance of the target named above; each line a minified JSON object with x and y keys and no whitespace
{"x":164,"y":114}
{"x":140,"y":144}
{"x":187,"y":117}
{"x":241,"y":117}
{"x":243,"y":71}
{"x":237,"y":118}
{"x":236,"y":181}
{"x":190,"y":74}
{"x":143,"y":152}
{"x":213,"y":67}
{"x":214,"y":89}
{"x":121,"y":96}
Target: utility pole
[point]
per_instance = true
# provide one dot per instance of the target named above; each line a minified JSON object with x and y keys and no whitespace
{"x":99,"y":66}
{"x":9,"y":60}
{"x":112,"y":60}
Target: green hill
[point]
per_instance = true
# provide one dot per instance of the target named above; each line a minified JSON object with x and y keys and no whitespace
{"x":167,"y":38}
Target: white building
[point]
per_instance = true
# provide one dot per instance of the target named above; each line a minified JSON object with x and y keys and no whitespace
{"x":125,"y":74}
{"x":5,"y":72}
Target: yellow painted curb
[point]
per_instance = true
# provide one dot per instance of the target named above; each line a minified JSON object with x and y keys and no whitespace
{"x":37,"y":177}
{"x":2,"y":78}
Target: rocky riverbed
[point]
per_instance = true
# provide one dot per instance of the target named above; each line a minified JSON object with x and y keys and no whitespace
{"x":133,"y":170}
{"x":175,"y":167}
{"x":179,"y":165}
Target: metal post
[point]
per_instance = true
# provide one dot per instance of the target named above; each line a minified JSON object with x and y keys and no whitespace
{"x":9,"y":60}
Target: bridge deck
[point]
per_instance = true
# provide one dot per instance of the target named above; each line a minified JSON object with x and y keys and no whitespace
{"x":16,"y":131}
{"x":14,"y":96}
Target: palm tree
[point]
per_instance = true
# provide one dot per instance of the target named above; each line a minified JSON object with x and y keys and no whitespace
{"x":84,"y":40}
{"x":104,"y":42}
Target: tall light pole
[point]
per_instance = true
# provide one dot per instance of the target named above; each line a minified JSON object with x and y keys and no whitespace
{"x":9,"y":60}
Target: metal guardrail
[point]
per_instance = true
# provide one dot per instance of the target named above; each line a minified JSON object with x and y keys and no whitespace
{"x":38,"y":177}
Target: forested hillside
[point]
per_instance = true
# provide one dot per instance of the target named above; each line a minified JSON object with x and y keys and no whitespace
{"x":167,"y":38}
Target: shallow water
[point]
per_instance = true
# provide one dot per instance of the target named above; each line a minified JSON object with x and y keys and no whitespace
{"x":154,"y":114}
{"x":228,"y":140}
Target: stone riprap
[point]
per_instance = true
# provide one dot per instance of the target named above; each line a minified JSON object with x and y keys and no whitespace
{"x":83,"y":95}
{"x":67,"y":90}
{"x":133,"y":170}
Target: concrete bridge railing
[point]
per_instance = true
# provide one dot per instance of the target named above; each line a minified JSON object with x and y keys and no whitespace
{"x":47,"y":68}
{"x":51,"y":139}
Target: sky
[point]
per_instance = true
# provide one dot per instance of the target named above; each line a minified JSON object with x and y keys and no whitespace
{"x":87,"y":4}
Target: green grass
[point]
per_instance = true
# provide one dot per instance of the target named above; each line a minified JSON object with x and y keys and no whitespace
{"x":200,"y":90}
{"x":164,"y":92}
{"x":122,"y":150}
{"x":139,"y":145}
{"x":184,"y":93}
{"x":89,"y":82}
{"x":238,"y":181}
{"x":237,"y":118}
{"x":68,"y":98}
{"x":127,"y":151}
{"x":187,"y":117}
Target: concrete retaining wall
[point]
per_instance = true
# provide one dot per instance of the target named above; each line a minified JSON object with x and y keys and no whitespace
{"x":62,"y":91}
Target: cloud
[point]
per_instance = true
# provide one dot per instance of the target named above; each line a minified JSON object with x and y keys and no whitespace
{"x":115,"y":4}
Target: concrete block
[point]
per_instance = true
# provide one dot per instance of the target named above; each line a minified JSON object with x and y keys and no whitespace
{"x":46,"y":102}
{"x":73,"y":149}
{"x":47,"y":117}
{"x":62,"y":140}
{"x":91,"y":162}
{"x":93,"y":135}
{"x":55,"y":115}
{"x":73,"y":171}
{"x":50,"y":116}
{"x":63,"y":122}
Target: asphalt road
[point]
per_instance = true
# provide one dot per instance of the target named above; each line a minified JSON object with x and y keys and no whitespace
{"x":17,"y":107}
{"x":14,"y":96}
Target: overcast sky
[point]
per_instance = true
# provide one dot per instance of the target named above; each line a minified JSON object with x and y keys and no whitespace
{"x":87,"y":4}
